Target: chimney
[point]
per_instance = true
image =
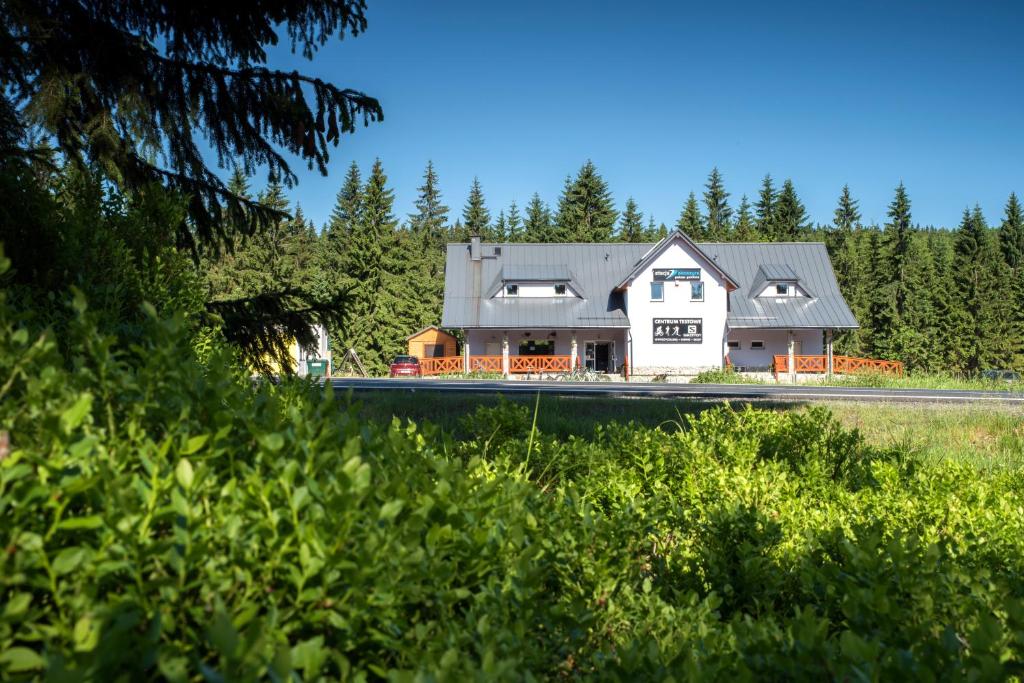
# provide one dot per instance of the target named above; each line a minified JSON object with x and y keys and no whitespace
{"x":475,"y":252}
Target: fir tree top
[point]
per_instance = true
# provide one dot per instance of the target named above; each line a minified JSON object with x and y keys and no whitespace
{"x":716,"y":200}
{"x":585,"y":211}
{"x":690,"y":221}
{"x":476,"y":219}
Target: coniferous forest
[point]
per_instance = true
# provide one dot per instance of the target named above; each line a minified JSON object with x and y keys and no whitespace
{"x":939,"y":298}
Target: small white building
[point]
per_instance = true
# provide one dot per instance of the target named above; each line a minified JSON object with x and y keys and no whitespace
{"x":673,"y":308}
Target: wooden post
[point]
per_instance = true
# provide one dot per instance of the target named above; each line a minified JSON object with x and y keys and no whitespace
{"x":828,"y":351}
{"x":573,"y":352}
{"x":504,"y":355}
{"x":792,"y":358}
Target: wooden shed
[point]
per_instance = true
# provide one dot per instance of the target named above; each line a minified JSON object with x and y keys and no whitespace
{"x":431,"y":342}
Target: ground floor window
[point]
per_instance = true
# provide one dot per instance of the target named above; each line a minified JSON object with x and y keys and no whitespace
{"x":537,"y":347}
{"x":757,"y":344}
{"x":733,"y":343}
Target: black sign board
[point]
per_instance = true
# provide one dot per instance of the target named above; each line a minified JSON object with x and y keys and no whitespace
{"x":673,"y":274}
{"x":678,"y":330}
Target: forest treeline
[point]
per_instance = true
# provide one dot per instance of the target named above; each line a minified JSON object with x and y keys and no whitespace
{"x":939,"y":299}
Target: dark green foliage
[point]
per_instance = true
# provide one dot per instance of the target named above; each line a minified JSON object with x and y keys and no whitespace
{"x":119,"y":85}
{"x":984,"y":317}
{"x":745,"y":229}
{"x":764,"y":209}
{"x":719,"y":215}
{"x":539,"y":225}
{"x":516,"y":229}
{"x":631,"y":224}
{"x":790,"y":220}
{"x":1011,"y":234}
{"x":690,"y":222}
{"x":476,"y":219}
{"x":165,"y":520}
{"x":586,"y":212}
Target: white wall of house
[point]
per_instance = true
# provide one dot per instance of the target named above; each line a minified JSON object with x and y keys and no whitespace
{"x":650,"y":357}
{"x":776,"y":343}
{"x":537,"y":290}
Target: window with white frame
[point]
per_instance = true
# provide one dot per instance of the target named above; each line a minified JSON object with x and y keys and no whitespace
{"x":782,"y":289}
{"x":757,"y":344}
{"x":511,"y":290}
{"x":696,"y":291}
{"x":657,"y":291}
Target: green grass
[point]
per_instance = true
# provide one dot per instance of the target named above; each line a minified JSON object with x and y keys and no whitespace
{"x":921,"y":381}
{"x":988,"y":436}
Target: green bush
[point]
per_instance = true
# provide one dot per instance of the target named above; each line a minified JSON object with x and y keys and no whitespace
{"x":723,"y":376}
{"x":163,"y":519}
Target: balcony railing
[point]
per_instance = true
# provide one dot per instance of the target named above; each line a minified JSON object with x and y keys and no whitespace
{"x":518,"y":365}
{"x":842,"y":365}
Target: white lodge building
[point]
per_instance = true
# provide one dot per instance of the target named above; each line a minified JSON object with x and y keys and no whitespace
{"x":674,"y":308}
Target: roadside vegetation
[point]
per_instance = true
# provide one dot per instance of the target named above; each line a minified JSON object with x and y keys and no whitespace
{"x":165,"y":519}
{"x":914,"y":380}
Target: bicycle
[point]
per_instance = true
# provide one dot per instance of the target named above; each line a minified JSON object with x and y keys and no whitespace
{"x":582,"y":375}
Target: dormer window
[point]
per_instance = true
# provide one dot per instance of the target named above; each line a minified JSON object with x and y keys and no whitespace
{"x":511,"y":290}
{"x":559,"y":290}
{"x":782,"y":289}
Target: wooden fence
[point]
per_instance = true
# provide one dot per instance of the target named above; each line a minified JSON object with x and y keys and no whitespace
{"x":518,"y":365}
{"x":842,"y":365}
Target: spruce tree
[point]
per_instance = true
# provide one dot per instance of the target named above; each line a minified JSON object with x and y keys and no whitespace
{"x":898,"y":233}
{"x":764,"y":209}
{"x":499,"y":231}
{"x":690,"y":222}
{"x":790,"y":217}
{"x":342,"y":221}
{"x":539,"y":226}
{"x":431,"y":217}
{"x":515,"y":223}
{"x":425,"y":253}
{"x":586,"y":212}
{"x":369,"y":324}
{"x":982,"y":330}
{"x":476,"y":219}
{"x":716,"y":201}
{"x":631,"y":226}
{"x":1011,"y":234}
{"x":1011,"y":244}
{"x":745,"y":230}
{"x":845,"y":220}
{"x":111,"y":82}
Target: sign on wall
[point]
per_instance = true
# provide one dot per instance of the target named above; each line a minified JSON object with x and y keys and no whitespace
{"x":678,"y":330}
{"x":673,"y":274}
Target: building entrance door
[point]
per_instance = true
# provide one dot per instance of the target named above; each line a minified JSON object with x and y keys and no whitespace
{"x":598,"y":355}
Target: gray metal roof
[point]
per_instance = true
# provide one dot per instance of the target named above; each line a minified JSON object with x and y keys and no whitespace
{"x":518,"y":272}
{"x":808,"y":261}
{"x":597,"y":269}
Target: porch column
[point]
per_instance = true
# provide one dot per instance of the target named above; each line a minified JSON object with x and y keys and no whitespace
{"x":504,"y":355}
{"x":828,"y":351}
{"x":792,"y":358}
{"x":573,"y":352}
{"x":465,"y":355}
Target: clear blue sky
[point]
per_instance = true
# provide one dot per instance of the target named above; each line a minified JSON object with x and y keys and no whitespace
{"x":656,"y":93}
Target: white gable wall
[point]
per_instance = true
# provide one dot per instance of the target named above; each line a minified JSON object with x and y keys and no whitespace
{"x":650,"y":358}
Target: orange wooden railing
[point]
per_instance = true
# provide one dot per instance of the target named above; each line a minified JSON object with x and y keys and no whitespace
{"x":523,"y":364}
{"x":441,"y":365}
{"x":485,"y":364}
{"x":842,"y":365}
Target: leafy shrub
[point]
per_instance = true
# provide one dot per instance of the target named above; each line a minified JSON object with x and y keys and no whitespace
{"x":723,"y":376}
{"x":163,"y":519}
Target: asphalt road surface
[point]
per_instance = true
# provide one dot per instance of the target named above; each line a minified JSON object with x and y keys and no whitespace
{"x":707,"y":392}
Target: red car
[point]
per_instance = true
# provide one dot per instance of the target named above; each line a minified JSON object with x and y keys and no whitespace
{"x":405,"y":366}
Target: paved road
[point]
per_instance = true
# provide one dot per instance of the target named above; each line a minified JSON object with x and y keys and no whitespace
{"x":713,"y":392}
